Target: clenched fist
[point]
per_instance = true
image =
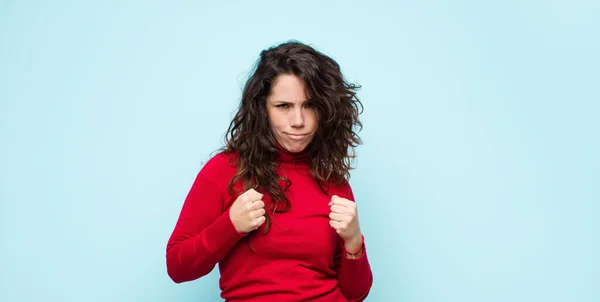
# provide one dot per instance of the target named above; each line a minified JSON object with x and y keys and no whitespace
{"x":247,"y":212}
{"x":344,"y":219}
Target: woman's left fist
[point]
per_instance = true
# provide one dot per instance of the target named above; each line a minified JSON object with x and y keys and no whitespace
{"x":344,"y":218}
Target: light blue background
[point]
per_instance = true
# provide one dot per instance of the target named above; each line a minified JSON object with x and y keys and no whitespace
{"x":478,"y":179}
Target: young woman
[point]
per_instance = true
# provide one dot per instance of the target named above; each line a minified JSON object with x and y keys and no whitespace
{"x":274,"y":208}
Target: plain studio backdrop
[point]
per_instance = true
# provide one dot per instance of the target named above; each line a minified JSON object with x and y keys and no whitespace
{"x":478,"y":179}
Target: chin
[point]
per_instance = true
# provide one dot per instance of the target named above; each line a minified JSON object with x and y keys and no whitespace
{"x":295,"y":148}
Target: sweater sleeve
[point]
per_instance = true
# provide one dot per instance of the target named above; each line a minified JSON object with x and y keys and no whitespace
{"x":354,"y":275}
{"x":204,"y":233}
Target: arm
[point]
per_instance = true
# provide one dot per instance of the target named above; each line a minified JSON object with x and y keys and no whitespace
{"x":204,"y":232}
{"x":353,"y":269}
{"x":354,"y":272}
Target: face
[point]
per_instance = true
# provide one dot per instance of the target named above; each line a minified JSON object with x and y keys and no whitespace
{"x":292,"y":117}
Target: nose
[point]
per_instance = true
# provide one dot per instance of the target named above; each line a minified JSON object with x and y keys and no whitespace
{"x":297,"y":118}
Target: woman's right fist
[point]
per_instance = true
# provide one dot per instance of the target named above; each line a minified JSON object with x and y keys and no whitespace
{"x":247,"y":213}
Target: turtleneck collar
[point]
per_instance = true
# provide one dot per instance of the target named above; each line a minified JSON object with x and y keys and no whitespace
{"x":286,"y":156}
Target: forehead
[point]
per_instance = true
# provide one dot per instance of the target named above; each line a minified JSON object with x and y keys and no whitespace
{"x":287,"y":88}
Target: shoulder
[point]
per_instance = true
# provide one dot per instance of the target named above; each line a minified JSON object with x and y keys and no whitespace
{"x":221,"y":160}
{"x":220,"y":167}
{"x":342,"y":189}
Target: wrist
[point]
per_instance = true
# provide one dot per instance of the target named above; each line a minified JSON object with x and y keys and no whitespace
{"x":354,"y":241}
{"x":353,"y":247}
{"x":235,"y":224}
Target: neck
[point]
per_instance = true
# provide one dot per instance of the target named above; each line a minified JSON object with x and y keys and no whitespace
{"x":291,"y":157}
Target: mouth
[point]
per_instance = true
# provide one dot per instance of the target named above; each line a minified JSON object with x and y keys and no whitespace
{"x":296,"y":136}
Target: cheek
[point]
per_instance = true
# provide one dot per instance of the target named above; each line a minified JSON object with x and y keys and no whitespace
{"x":274,"y":121}
{"x":277,"y":123}
{"x":314,"y":121}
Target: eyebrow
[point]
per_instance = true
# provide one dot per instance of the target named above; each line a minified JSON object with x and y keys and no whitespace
{"x":288,"y":102}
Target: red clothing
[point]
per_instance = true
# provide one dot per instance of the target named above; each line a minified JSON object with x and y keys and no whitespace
{"x":299,"y":259}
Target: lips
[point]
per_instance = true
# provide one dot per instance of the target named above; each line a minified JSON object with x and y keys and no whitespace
{"x":296,"y":136}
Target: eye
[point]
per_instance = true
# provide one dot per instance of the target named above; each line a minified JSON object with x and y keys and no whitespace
{"x":283,"y":106}
{"x":309,"y":105}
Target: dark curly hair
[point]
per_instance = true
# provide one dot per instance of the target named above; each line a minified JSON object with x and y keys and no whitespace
{"x":337,"y":108}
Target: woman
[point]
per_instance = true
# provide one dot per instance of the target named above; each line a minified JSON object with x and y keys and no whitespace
{"x":274,"y":208}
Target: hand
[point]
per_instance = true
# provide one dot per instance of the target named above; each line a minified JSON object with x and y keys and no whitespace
{"x":344,"y":219}
{"x":247,"y":212}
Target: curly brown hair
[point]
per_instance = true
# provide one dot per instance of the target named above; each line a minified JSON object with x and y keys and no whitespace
{"x":337,"y":108}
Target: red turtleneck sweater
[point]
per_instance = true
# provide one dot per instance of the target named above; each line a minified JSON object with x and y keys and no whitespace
{"x":299,"y":259}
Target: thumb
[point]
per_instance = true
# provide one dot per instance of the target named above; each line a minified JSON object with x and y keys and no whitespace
{"x":333,"y":199}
